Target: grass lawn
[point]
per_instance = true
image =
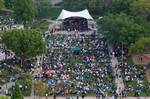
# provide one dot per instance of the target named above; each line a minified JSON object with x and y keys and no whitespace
{"x":144,"y":92}
{"x":40,"y":25}
{"x":4,"y":97}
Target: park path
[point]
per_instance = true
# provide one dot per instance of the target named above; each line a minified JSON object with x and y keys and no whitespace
{"x":118,"y":80}
{"x":84,"y":98}
{"x":6,"y":87}
{"x":2,"y":56}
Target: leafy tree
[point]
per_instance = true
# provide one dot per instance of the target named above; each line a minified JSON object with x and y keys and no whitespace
{"x":141,"y":8}
{"x":42,"y":7}
{"x":40,"y":88}
{"x":26,"y":81}
{"x":99,"y":7}
{"x":143,"y":22}
{"x":121,"y":28}
{"x":75,"y":5}
{"x":24,"y":10}
{"x":94,"y":6}
{"x":141,"y":46}
{"x":8,"y":4}
{"x":17,"y":93}
{"x":1,"y":4}
{"x":25,"y":43}
{"x":121,"y":6}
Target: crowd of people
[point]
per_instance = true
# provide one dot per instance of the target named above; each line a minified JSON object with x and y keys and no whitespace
{"x":77,"y":64}
{"x":80,"y":64}
{"x":135,"y":79}
{"x":134,"y":76}
{"x":75,"y":24}
{"x":8,"y":23}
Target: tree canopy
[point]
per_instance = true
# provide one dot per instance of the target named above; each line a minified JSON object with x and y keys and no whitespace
{"x":25,"y":43}
{"x":121,"y":26}
{"x":1,"y":4}
{"x":26,"y":81}
{"x":121,"y":6}
{"x":17,"y":93}
{"x":141,"y":46}
{"x":94,"y":6}
{"x":24,"y":10}
{"x":8,"y":4}
{"x":141,"y":8}
{"x":40,"y":88}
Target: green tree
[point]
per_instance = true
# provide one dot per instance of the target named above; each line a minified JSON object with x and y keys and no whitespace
{"x":95,"y":7}
{"x":99,"y":7}
{"x":75,"y":5}
{"x":121,"y":28}
{"x":1,"y":4}
{"x":141,"y":8}
{"x":8,"y":4}
{"x":25,"y":43}
{"x":121,"y":6}
{"x":26,"y":81}
{"x":40,"y":88}
{"x":17,"y":93}
{"x":24,"y":10}
{"x":142,"y":46}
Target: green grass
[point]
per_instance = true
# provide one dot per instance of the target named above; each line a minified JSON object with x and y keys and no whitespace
{"x":40,"y":25}
{"x":4,"y":97}
{"x":134,"y":84}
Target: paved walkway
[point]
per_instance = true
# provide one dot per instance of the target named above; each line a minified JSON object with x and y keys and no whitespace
{"x":2,"y":56}
{"x":84,"y":98}
{"x":6,"y":87}
{"x":118,"y":80}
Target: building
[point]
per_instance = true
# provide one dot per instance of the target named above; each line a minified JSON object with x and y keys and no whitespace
{"x":141,"y":59}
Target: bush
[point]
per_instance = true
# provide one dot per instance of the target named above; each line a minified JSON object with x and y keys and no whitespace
{"x":4,"y":97}
{"x":26,"y":82}
{"x":17,"y":94}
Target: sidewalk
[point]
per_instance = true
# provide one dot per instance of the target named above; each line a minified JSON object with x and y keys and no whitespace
{"x":84,"y":98}
{"x":118,"y":81}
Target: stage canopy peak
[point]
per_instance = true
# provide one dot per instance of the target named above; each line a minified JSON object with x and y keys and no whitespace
{"x":68,"y":14}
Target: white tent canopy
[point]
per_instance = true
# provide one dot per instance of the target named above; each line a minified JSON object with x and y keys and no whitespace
{"x":67,"y":14}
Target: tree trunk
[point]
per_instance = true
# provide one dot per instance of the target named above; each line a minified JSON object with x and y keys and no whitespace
{"x":23,"y":62}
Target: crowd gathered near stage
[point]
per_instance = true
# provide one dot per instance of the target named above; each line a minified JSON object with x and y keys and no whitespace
{"x":7,"y":22}
{"x":81,"y":65}
{"x":78,"y":64}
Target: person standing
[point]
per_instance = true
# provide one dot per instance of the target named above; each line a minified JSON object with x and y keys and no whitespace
{"x":83,"y":95}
